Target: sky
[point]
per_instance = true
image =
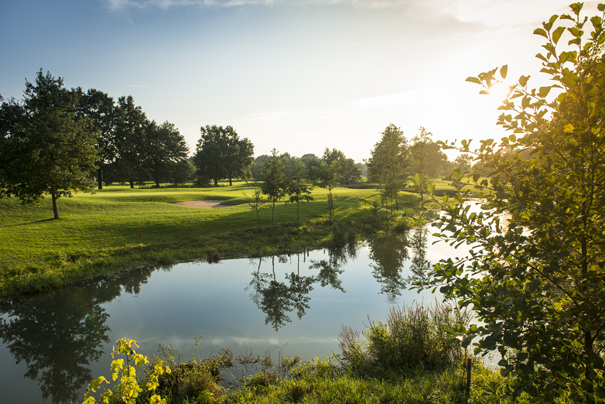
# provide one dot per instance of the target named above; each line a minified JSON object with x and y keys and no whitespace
{"x":295,"y":75}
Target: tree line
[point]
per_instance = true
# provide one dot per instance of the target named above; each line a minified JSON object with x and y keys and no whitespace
{"x":58,"y":140}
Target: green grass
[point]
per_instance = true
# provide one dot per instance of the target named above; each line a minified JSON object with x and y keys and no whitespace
{"x":99,"y":233}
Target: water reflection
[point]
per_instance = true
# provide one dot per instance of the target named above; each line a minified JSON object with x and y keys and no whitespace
{"x":389,"y":252}
{"x":57,"y":334}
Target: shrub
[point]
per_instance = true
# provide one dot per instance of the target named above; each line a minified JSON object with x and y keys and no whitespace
{"x":411,"y":338}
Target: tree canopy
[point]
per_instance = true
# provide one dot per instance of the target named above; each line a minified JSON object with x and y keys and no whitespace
{"x":535,"y":273}
{"x":46,"y":149}
{"x":220,"y":154}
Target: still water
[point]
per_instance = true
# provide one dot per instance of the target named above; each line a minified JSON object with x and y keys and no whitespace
{"x":53,"y":344}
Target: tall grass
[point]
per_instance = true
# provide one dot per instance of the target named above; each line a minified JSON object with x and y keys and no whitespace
{"x":412,"y":337}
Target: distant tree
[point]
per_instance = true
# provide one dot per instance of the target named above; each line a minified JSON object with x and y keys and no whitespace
{"x":220,"y":153}
{"x":298,"y":189}
{"x":312,"y":163}
{"x":389,"y":161}
{"x":164,"y":146}
{"x":256,"y":167}
{"x":464,"y":162}
{"x":427,"y":159}
{"x":46,"y":149}
{"x":274,"y":181}
{"x":99,"y":108}
{"x":130,"y":122}
{"x":181,"y":172}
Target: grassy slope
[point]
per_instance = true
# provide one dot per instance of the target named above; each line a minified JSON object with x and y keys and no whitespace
{"x":99,"y":233}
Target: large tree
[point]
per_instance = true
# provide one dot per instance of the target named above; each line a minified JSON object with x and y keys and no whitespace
{"x":220,"y":153}
{"x":46,"y":149}
{"x":164,"y":147}
{"x":99,"y":108}
{"x":535,"y":274}
{"x":130,"y":122}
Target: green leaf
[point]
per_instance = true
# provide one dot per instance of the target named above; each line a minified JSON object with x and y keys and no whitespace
{"x":523,"y":81}
{"x":504,"y":71}
{"x":543,"y":92}
{"x":541,"y":32}
{"x":557,"y":34}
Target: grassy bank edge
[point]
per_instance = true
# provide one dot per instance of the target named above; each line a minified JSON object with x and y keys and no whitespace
{"x":251,"y":242}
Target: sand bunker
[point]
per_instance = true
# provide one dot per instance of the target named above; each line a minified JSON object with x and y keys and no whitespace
{"x":203,"y":204}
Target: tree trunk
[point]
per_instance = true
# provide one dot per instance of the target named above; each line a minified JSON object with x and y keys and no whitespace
{"x":100,"y":178}
{"x":216,"y":182}
{"x":272,"y":210}
{"x":55,"y":207}
{"x":131,"y":183}
{"x":297,"y":214}
{"x":230,"y":183}
{"x":157,"y":180}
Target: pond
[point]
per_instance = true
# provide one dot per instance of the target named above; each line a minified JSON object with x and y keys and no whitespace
{"x":53,"y":344}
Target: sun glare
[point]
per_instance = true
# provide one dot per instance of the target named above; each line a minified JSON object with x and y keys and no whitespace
{"x":499,"y":92}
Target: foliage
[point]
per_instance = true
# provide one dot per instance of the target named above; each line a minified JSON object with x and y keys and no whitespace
{"x":129,"y":127}
{"x":298,"y":189}
{"x":99,"y":108}
{"x":164,"y":147}
{"x":127,"y":389}
{"x":275,"y":182}
{"x":535,"y":272}
{"x":45,"y":148}
{"x":427,"y":159}
{"x":257,"y":204}
{"x":220,"y":153}
{"x":388,"y":163}
{"x":412,"y":337}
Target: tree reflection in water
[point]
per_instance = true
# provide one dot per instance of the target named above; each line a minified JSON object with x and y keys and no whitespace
{"x":278,"y":298}
{"x":58,"y":334}
{"x":389,"y":251}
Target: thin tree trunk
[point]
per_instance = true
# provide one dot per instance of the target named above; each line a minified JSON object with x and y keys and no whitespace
{"x":55,"y":207}
{"x":100,"y":178}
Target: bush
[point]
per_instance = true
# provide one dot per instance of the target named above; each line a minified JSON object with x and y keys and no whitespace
{"x":411,"y":338}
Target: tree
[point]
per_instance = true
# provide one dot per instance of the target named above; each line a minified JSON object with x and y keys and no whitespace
{"x":427,"y":159}
{"x":99,"y":108}
{"x":298,"y":189}
{"x":220,"y":153}
{"x":45,"y":148}
{"x":535,"y":273}
{"x":130,"y":123}
{"x":389,"y":161}
{"x":274,"y":181}
{"x":164,"y":146}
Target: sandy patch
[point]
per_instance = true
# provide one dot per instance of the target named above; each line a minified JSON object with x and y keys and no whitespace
{"x":203,"y":204}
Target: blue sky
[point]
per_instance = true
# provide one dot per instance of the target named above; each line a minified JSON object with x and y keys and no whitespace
{"x":295,"y":75}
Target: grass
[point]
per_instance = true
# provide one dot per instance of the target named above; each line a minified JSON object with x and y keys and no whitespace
{"x":119,"y":228}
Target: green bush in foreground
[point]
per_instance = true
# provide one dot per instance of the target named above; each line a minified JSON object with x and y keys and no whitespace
{"x":409,"y":359}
